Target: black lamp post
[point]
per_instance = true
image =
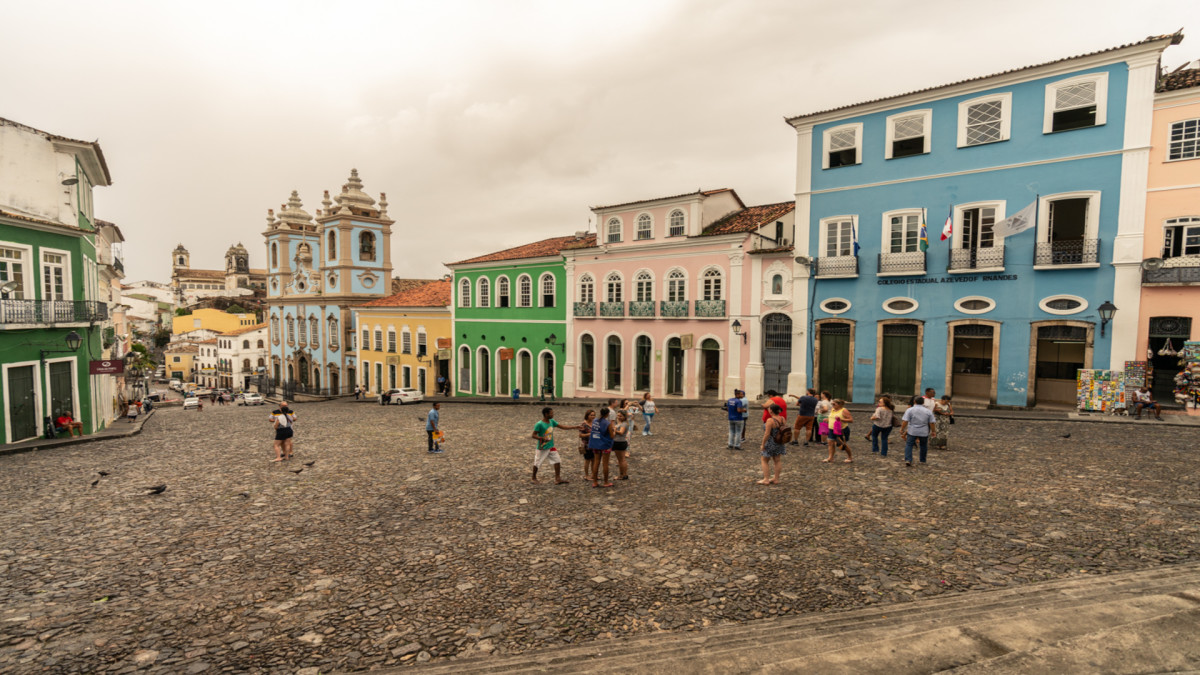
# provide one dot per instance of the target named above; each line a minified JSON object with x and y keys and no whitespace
{"x":1107,"y":311}
{"x":737,"y":330}
{"x":553,"y":341}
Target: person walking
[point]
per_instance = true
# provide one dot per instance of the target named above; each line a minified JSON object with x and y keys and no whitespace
{"x":649,"y":409}
{"x":915,"y":428}
{"x":772,"y":447}
{"x":283,"y":419}
{"x":881,"y":425}
{"x":433,"y":428}
{"x":930,"y":399}
{"x":543,"y":432}
{"x":737,"y":408}
{"x":839,"y":430}
{"x":806,"y":415}
{"x":585,"y":432}
{"x":943,"y":414}
{"x":822,"y":409}
{"x":601,"y":443}
{"x":357,"y":392}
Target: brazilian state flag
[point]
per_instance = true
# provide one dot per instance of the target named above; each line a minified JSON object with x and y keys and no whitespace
{"x":923,"y":239}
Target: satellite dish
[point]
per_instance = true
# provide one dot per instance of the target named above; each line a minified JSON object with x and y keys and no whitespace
{"x":1152,"y":264}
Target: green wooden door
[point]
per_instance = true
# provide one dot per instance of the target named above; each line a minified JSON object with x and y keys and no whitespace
{"x":62,"y":393}
{"x":834,"y":370}
{"x":22,"y":406}
{"x":899,"y":367}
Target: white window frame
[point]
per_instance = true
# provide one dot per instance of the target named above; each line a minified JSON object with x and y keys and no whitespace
{"x":1091,"y":225}
{"x":826,"y":309}
{"x":643,"y":219}
{"x":1171,"y":131}
{"x":547,"y":276}
{"x":1101,"y":81}
{"x":68,"y":294}
{"x":483,"y":292}
{"x":464,"y":293}
{"x":29,"y":288}
{"x":405,"y":340}
{"x":1183,"y":224}
{"x":587,"y":288}
{"x":858,"y":143}
{"x":703,"y":285}
{"x":503,"y":290}
{"x":1005,"y":117}
{"x":614,"y":280}
{"x":672,"y":282}
{"x":1044,"y":302}
{"x":391,"y":340}
{"x":960,"y":211}
{"x":910,"y":310}
{"x":958,"y":304}
{"x":643,"y":277}
{"x":609,"y":233}
{"x":682,"y":225}
{"x":524,"y":291}
{"x":926,"y":116}
{"x":823,"y":242}
{"x":886,"y":232}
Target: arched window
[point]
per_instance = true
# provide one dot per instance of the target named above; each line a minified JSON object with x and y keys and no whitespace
{"x":315,"y":332}
{"x":676,"y":224}
{"x":484,"y":297}
{"x":464,"y":293}
{"x":614,"y":230}
{"x":291,"y":331}
{"x":645,"y":227}
{"x":366,"y":246}
{"x":642,"y":358}
{"x":274,"y":329}
{"x":333,"y":333}
{"x":245,"y":365}
{"x":464,"y":368}
{"x":587,"y":362}
{"x":391,"y":340}
{"x":245,"y":344}
{"x":547,"y":284}
{"x":260,"y":344}
{"x":612,"y":363}
{"x":711,"y":284}
{"x":262,"y":363}
{"x":483,"y":377}
{"x":676,"y":286}
{"x":274,"y":255}
{"x":303,"y":325}
{"x":332,"y":246}
{"x":524,"y":291}
{"x":587,"y":289}
{"x":643,"y":287}
{"x":502,"y":292}
{"x":612,"y":288}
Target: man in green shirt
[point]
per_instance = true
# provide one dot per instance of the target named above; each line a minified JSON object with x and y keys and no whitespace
{"x":543,"y":431}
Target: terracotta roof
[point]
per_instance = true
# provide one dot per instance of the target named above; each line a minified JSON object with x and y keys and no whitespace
{"x":537,"y":249}
{"x":1175,"y":39}
{"x":202,"y":274}
{"x":401,"y":285}
{"x":749,"y":219}
{"x":431,"y":294}
{"x":697,"y":193}
{"x":1182,"y":78}
{"x":53,"y":137}
{"x":40,"y":221}
{"x":244,"y":329}
{"x":763,"y":251}
{"x":181,"y":349}
{"x":210,"y":341}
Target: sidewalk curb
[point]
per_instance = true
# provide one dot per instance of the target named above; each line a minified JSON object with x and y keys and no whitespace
{"x":104,"y":435}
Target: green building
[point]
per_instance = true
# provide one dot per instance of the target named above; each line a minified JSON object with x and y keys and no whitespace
{"x":510,"y":312}
{"x":52,"y":313}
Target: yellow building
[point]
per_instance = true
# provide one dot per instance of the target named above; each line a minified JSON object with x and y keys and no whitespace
{"x":399,"y":338}
{"x":180,"y":360}
{"x":212,"y":319}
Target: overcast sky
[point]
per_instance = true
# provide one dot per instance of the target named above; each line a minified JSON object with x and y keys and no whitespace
{"x":488,"y":123}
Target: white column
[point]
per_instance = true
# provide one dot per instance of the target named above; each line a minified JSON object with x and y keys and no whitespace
{"x":568,"y":378}
{"x":753,"y":328}
{"x":798,"y":378}
{"x":733,"y":362}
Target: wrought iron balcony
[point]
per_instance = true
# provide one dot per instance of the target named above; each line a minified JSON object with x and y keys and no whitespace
{"x":673,"y":309}
{"x":585,"y":309}
{"x":976,"y":258}
{"x":710,"y":309}
{"x":52,"y":311}
{"x":908,"y":262}
{"x":642,"y":309}
{"x":1183,"y":270}
{"x":837,"y":266}
{"x":1078,"y":252}
{"x":611,"y":309}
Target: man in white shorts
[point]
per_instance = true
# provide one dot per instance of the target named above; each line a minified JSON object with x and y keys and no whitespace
{"x":543,"y":432}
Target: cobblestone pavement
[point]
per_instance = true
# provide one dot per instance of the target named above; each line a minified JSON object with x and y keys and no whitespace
{"x":382,"y":554}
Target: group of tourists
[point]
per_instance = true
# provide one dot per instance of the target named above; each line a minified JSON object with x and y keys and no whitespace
{"x":602,"y":436}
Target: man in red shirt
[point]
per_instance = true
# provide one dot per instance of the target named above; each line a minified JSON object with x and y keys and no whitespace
{"x":65,"y":421}
{"x":773,"y":397}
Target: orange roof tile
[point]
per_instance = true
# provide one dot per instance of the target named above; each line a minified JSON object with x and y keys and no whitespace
{"x":244,"y":329}
{"x":1181,"y":78}
{"x":749,"y":219}
{"x":432,"y":294}
{"x":537,"y":249}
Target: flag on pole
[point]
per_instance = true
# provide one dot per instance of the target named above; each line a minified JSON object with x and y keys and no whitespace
{"x":948,"y":228}
{"x":923,"y":238}
{"x":1017,"y":223}
{"x":854,"y":234}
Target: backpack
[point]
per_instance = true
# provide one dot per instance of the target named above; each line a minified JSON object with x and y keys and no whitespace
{"x":783,"y":434}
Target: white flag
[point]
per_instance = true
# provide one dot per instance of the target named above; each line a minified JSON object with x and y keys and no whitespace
{"x":1016,"y":223}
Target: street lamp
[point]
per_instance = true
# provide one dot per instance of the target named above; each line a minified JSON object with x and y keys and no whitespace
{"x":553,"y":341}
{"x":1107,"y":311}
{"x":737,"y":330}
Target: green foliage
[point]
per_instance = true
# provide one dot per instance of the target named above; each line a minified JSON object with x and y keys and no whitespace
{"x":182,"y":311}
{"x":235,"y":309}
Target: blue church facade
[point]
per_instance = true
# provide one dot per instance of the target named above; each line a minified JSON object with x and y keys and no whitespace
{"x":1000,"y":320}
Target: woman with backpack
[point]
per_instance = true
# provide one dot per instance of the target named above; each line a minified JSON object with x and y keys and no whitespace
{"x":774,"y":444}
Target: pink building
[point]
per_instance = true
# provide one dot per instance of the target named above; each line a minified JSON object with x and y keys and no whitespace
{"x":662,"y":303}
{"x":1169,"y":312}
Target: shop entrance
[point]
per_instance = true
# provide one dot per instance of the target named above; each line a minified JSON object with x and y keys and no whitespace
{"x":1061,"y":352}
{"x":525,"y":361}
{"x":22,"y":404}
{"x":1174,"y":330}
{"x":62,"y":391}
{"x":547,"y":375}
{"x":712,"y":368}
{"x":777,"y":351}
{"x":674,"y":367}
{"x":898,"y":362}
{"x":505,"y":377}
{"x":833,"y":371}
{"x":971,"y":363}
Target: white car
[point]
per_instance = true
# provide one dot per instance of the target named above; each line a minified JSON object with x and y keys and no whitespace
{"x":191,"y":401}
{"x":402,"y":396}
{"x":250,"y":398}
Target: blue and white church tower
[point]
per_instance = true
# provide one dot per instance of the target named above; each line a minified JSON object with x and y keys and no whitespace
{"x":317,"y":272}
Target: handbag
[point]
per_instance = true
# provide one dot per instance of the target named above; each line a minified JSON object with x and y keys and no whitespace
{"x":897,"y":422}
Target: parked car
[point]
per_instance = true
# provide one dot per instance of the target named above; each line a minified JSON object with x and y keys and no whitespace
{"x":250,"y":398}
{"x":401,"y":396}
{"x":191,"y":401}
{"x":176,"y":385}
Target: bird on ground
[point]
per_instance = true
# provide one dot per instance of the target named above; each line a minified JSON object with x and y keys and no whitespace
{"x":156,"y":489}
{"x":95,"y":482}
{"x":244,"y":494}
{"x":1066,"y":435}
{"x":102,"y":473}
{"x":310,"y":463}
{"x":296,"y":471}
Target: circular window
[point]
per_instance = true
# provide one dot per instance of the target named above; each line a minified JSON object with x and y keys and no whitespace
{"x":975,"y":304}
{"x":301,"y":285}
{"x":835,"y":305}
{"x":1063,"y":304}
{"x":900,"y":305}
{"x":368,"y":281}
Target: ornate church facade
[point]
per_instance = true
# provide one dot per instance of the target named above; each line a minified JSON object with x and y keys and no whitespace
{"x":318,"y":270}
{"x":186,"y":281}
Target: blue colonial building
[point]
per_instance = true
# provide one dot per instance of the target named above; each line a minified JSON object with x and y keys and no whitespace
{"x":1002,"y":320}
{"x":317,"y":272}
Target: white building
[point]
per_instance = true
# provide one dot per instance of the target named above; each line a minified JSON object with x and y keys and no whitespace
{"x":206,"y":363}
{"x":241,"y":356}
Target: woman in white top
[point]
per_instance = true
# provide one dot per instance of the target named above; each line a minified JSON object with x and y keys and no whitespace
{"x":283,"y":419}
{"x":648,"y":411}
{"x":881,"y":426}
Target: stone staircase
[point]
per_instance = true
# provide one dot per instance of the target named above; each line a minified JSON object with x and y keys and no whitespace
{"x":1136,"y":622}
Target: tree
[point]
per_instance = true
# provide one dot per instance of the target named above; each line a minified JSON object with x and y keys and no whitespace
{"x":182,"y":311}
{"x":235,"y":309}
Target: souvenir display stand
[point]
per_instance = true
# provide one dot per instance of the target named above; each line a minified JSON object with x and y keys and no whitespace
{"x":1187,"y":381}
{"x":1100,"y":390}
{"x":1137,"y":374}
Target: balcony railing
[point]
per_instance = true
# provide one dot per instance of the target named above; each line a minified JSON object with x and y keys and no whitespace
{"x":976,"y":258}
{"x":612,"y":309}
{"x":908,"y":262}
{"x":1181,"y":270}
{"x":587,"y":309}
{"x":838,"y":266}
{"x":710,"y":309}
{"x":1078,"y":252}
{"x":673,"y":309}
{"x":52,"y":311}
{"x":118,"y":265}
{"x":642,"y":309}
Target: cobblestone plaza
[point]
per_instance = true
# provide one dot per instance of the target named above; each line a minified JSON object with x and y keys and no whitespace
{"x":381,"y":554}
